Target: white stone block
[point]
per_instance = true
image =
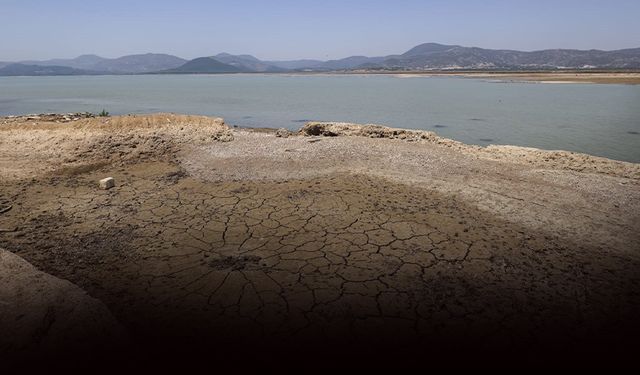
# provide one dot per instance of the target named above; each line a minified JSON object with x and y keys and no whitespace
{"x":107,"y":183}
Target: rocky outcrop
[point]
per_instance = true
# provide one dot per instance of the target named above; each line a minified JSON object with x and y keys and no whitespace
{"x":334,"y":129}
{"x":552,"y":159}
{"x":282,"y":133}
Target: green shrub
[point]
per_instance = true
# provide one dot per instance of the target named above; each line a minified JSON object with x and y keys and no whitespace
{"x":103,"y":114}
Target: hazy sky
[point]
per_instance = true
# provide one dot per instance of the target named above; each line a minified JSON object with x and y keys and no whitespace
{"x":323,"y":29}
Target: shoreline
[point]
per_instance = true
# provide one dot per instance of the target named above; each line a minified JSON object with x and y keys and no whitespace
{"x":343,"y":129}
{"x":556,"y":77}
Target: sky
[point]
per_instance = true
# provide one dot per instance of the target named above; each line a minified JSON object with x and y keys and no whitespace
{"x":294,"y":29}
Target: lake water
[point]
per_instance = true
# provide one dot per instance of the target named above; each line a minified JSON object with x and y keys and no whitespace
{"x":591,"y":118}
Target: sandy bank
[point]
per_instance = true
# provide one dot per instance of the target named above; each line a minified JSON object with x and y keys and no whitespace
{"x":563,"y":77}
{"x":626,"y":78}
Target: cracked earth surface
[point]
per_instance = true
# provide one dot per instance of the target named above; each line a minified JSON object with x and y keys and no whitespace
{"x":180,"y":251}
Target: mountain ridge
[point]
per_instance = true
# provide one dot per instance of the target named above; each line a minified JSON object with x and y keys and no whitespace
{"x":423,"y":57}
{"x":207,"y":65}
{"x":18,"y":69}
{"x":128,"y":64}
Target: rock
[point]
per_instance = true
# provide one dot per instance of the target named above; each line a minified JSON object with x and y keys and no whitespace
{"x":107,"y":183}
{"x":225,"y":136}
{"x":282,"y":133}
{"x":41,"y":315}
{"x":312,"y":129}
{"x":334,"y":129}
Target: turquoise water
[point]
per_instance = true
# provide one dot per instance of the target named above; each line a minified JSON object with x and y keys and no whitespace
{"x":591,"y":118}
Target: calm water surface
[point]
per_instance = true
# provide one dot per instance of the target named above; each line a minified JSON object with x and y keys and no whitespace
{"x":596,"y":119}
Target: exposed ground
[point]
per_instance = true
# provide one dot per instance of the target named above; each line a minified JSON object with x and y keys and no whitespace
{"x":566,"y":77}
{"x":342,"y":242}
{"x":627,"y":78}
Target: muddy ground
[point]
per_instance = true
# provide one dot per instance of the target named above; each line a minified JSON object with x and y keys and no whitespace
{"x":245,"y":248}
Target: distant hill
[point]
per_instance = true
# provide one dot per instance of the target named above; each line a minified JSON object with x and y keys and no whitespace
{"x":143,"y":63}
{"x":439,"y":56}
{"x":150,"y":62}
{"x":435,"y":56}
{"x":37,"y":70}
{"x":206,"y":65}
{"x":296,"y":64}
{"x":247,"y":63}
{"x":427,"y":48}
{"x":427,"y":56}
{"x":87,"y":62}
{"x":349,"y":62}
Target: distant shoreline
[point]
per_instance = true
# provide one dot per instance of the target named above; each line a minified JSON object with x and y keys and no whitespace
{"x":556,"y":76}
{"x":628,"y":77}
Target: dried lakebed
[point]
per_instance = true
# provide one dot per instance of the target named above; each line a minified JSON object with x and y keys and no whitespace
{"x":249,"y":244}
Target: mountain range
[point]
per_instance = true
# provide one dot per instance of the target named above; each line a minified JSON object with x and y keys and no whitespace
{"x":146,"y":63}
{"x":424,"y":57}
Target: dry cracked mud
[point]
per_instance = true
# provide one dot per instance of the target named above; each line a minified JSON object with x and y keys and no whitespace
{"x":313,"y":259}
